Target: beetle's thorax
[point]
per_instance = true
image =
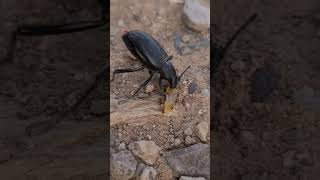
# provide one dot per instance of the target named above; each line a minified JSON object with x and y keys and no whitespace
{"x":168,"y":72}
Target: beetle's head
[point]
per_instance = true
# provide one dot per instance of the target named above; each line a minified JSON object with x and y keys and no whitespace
{"x":126,"y":37}
{"x":169,"y":74}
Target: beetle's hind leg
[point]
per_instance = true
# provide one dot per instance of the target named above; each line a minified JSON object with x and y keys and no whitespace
{"x":119,"y":71}
{"x":143,"y":84}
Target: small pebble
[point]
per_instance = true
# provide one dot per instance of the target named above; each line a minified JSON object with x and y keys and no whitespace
{"x":187,"y":105}
{"x":192,"y":88}
{"x":122,"y":146}
{"x":202,"y":130}
{"x":119,"y":135}
{"x":206,"y":92}
{"x":177,"y":142}
{"x":171,"y":130}
{"x":149,"y":88}
{"x":120,"y":23}
{"x":171,"y":138}
{"x":186,"y":38}
{"x":188,"y":131}
{"x":189,"y":140}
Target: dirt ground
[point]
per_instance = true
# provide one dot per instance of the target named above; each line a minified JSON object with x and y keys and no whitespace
{"x":266,"y":94}
{"x":141,"y":118}
{"x":45,"y":76}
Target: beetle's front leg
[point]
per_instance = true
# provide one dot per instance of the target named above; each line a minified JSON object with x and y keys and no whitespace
{"x":160,"y":85}
{"x":119,"y":71}
{"x":162,"y":89}
{"x":143,"y":84}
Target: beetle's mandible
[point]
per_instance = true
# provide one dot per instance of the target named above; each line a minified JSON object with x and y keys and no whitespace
{"x":152,"y":56}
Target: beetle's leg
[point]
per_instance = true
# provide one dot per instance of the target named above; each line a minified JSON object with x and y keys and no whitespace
{"x":144,"y":83}
{"x":160,"y":85}
{"x":183,"y":73}
{"x":119,"y":71}
{"x":161,"y":91}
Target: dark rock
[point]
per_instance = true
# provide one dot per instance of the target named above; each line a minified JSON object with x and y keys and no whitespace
{"x":192,"y":88}
{"x":190,"y":161}
{"x":123,"y":165}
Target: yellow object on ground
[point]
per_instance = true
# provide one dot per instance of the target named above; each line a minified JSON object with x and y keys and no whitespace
{"x":171,"y":96}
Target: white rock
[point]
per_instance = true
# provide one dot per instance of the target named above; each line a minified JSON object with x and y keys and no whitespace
{"x":186,"y":38}
{"x":177,"y":142}
{"x":122,"y":146}
{"x":188,"y":131}
{"x":191,"y":178}
{"x":148,"y":173}
{"x":202,"y":130}
{"x":196,"y":14}
{"x":147,"y":151}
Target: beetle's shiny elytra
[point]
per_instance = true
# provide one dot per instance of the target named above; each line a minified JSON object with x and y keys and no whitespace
{"x":152,"y":56}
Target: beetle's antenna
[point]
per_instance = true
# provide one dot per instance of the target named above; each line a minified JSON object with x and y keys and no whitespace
{"x":244,"y":25}
{"x":183,"y":73}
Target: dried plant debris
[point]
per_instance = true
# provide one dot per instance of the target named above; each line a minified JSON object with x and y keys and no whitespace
{"x":171,"y":97}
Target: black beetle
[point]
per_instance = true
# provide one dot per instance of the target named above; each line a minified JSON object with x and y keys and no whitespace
{"x":152,"y":56}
